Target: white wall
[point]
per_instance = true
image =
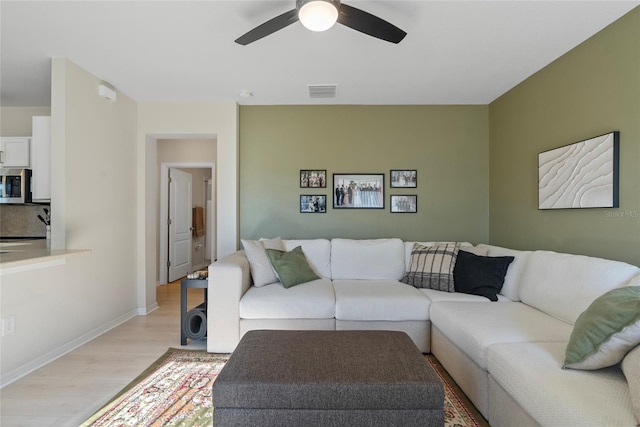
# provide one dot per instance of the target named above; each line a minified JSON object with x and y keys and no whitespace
{"x":104,"y":199}
{"x":93,"y":207}
{"x":184,"y":121}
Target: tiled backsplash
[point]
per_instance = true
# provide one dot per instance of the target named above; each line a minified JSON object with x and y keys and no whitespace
{"x":22,"y":221}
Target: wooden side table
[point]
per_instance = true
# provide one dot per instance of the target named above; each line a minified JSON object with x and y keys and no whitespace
{"x":184,"y":285}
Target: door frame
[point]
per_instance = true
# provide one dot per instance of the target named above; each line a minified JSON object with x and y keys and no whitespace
{"x":163,"y":239}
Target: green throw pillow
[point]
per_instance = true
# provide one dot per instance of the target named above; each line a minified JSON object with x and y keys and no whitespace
{"x":292,"y":267}
{"x":606,"y":331}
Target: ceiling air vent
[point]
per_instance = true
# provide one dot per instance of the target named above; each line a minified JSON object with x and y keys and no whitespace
{"x":322,"y":91}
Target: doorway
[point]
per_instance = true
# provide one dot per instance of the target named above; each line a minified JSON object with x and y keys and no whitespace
{"x":201,"y":248}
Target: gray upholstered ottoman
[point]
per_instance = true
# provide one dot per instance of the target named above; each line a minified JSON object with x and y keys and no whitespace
{"x":327,"y":378}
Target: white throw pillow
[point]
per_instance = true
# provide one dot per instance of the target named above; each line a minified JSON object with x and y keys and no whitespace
{"x":262,"y":271}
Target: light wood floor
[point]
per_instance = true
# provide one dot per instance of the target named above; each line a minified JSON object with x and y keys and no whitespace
{"x":70,"y":389}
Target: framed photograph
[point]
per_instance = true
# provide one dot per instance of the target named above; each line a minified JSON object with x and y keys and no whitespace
{"x":404,"y":178}
{"x":584,"y":174}
{"x":313,"y":178}
{"x":313,"y":203}
{"x":358,"y":191}
{"x":404,"y":203}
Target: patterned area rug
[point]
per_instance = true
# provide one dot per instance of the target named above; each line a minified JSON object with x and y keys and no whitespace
{"x":176,"y":391}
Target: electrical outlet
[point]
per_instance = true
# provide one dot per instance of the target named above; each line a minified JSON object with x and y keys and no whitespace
{"x":8,"y":325}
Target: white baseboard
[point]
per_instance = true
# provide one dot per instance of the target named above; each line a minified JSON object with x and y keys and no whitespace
{"x":142,"y":311}
{"x":49,"y":357}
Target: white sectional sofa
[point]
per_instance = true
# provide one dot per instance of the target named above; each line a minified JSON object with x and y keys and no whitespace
{"x":507,"y":356}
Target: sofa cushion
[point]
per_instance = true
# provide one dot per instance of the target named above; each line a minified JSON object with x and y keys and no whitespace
{"x":436,"y":296}
{"x":631,"y":369}
{"x":262,"y":271}
{"x":376,"y":259}
{"x":564,"y":285}
{"x":379,"y":300}
{"x":474,"y":326}
{"x":606,"y":331}
{"x":432,"y":267}
{"x":480,"y":275}
{"x":317,"y":251}
{"x":513,"y":278}
{"x":311,"y":300}
{"x":531,"y":373}
{"x":292,"y":267}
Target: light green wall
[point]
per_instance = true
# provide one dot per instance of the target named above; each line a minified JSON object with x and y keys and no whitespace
{"x":448,"y":145}
{"x":594,"y":89}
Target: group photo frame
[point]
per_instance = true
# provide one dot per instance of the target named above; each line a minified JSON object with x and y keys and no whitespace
{"x":403,"y":178}
{"x":313,"y":203}
{"x":403,"y":203}
{"x":358,"y":191}
{"x":313,"y":178}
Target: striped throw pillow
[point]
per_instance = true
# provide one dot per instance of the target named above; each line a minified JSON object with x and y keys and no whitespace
{"x":432,"y":267}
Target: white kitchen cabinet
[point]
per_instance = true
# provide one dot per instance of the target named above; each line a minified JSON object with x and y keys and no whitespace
{"x":41,"y":159}
{"x":14,"y":152}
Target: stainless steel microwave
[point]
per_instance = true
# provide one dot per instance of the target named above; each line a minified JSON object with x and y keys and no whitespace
{"x":15,"y":185}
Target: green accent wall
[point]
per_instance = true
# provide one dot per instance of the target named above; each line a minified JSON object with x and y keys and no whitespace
{"x":447,"y":145}
{"x":592,"y":90}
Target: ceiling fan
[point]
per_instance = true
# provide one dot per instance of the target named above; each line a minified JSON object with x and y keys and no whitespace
{"x":320,"y":15}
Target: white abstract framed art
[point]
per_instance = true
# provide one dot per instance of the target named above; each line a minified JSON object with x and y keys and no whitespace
{"x":584,"y":174}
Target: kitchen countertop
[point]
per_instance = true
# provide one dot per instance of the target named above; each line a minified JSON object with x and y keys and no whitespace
{"x":24,"y":255}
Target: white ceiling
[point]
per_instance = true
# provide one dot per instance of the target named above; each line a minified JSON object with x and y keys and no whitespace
{"x":456,"y":52}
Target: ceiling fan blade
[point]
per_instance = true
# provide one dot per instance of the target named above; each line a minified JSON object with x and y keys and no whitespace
{"x":369,"y":24}
{"x":269,"y":27}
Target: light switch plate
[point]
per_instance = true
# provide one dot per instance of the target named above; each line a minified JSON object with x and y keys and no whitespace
{"x":8,"y":325}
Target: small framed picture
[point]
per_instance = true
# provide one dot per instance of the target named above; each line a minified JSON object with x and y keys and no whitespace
{"x":313,"y":203}
{"x":358,"y":191}
{"x":313,"y":178}
{"x":405,"y":203}
{"x":404,"y":178}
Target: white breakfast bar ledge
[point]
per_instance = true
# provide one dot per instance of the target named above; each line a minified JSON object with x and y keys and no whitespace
{"x":16,"y":257}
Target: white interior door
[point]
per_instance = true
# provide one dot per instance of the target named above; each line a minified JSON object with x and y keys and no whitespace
{"x":180,"y":193}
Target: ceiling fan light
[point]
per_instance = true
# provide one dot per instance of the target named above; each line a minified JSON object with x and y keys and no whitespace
{"x":318,"y":15}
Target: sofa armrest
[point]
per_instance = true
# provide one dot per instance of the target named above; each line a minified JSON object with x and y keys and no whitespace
{"x":229,"y":279}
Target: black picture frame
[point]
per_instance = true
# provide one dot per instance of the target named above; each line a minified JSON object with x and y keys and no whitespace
{"x":313,"y":203}
{"x":313,"y":178}
{"x":403,"y":203}
{"x":403,"y":178}
{"x":358,"y":191}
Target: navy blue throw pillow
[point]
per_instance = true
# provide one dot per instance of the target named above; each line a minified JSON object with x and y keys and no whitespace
{"x":480,"y":275}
